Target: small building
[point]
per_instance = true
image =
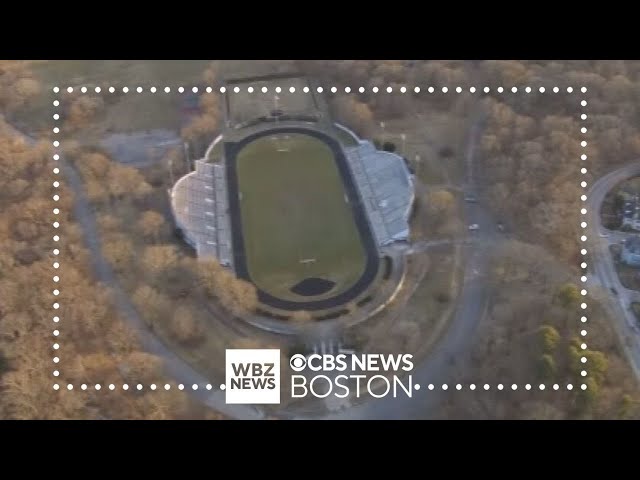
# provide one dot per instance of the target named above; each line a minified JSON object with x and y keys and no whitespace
{"x":631,"y":252}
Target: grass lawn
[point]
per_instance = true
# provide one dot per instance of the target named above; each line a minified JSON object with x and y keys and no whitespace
{"x":293,"y":208}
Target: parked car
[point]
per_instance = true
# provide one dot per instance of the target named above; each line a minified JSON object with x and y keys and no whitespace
{"x":470,"y":199}
{"x":614,"y":291}
{"x":474,"y":226}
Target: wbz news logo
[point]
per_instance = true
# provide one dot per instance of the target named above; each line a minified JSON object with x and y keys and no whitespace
{"x":252,"y":376}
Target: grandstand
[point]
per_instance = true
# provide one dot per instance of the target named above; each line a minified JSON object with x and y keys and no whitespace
{"x":386,"y":188}
{"x":200,"y":205}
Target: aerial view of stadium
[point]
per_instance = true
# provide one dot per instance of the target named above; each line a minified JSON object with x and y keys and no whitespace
{"x":283,"y":202}
{"x":319,"y":239}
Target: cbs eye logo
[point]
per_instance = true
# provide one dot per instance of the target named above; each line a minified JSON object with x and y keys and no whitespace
{"x":298,"y":362}
{"x":316,"y":362}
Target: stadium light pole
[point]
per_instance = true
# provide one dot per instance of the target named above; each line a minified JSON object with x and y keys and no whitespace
{"x":171,"y":171}
{"x":404,"y":138}
{"x":383,"y":133}
{"x":186,"y":156}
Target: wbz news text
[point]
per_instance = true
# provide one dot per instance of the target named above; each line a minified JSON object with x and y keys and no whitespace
{"x":253,"y":376}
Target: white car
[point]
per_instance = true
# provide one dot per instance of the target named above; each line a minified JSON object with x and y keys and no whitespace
{"x":473,"y":227}
{"x":604,"y":235}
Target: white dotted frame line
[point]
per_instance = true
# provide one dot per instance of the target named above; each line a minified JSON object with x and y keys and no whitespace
{"x":292,"y":89}
{"x":583,"y":238}
{"x":416,"y":386}
{"x":208,"y":386}
{"x":56,"y":238}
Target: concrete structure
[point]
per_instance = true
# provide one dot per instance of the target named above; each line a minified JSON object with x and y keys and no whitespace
{"x":386,"y":188}
{"x":631,"y":252}
{"x":200,"y":206}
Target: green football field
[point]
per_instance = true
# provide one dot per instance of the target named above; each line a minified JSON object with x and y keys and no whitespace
{"x":296,"y":221}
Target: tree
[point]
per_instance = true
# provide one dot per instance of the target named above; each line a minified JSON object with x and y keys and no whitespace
{"x":568,"y":295}
{"x":588,"y":397}
{"x":354,"y":114}
{"x":238,"y":296}
{"x":17,"y":85}
{"x":184,"y":327}
{"x":627,"y":405}
{"x":118,"y":250}
{"x":389,"y":146}
{"x":126,"y":182}
{"x":546,"y":367}
{"x":440,"y":201}
{"x":596,"y":365}
{"x":82,"y":110}
{"x":440,"y":204}
{"x":141,"y":367}
{"x":151,"y":224}
{"x":151,"y":303}
{"x":549,"y":338}
{"x":158,"y":258}
{"x":93,"y":165}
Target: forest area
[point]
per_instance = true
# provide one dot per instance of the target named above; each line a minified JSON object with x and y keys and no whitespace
{"x":57,"y":324}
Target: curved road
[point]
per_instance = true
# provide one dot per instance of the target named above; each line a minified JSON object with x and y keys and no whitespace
{"x":604,"y":272}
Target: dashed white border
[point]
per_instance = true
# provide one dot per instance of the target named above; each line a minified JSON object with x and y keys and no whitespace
{"x":583,"y":238}
{"x":319,"y":89}
{"x":56,"y":239}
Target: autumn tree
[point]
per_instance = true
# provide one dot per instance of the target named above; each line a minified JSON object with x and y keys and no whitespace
{"x":126,"y":182}
{"x":17,"y":85}
{"x":549,"y":338}
{"x":568,"y":295}
{"x":546,"y":367}
{"x":353,"y":114}
{"x":184,"y":326}
{"x":440,"y":204}
{"x":82,"y":110}
{"x":151,"y":224}
{"x":152,"y":303}
{"x":158,"y":258}
{"x":118,"y":250}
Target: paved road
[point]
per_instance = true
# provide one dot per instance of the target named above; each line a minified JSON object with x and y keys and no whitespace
{"x":603,"y":268}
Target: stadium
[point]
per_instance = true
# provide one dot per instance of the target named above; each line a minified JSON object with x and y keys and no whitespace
{"x":295,"y":204}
